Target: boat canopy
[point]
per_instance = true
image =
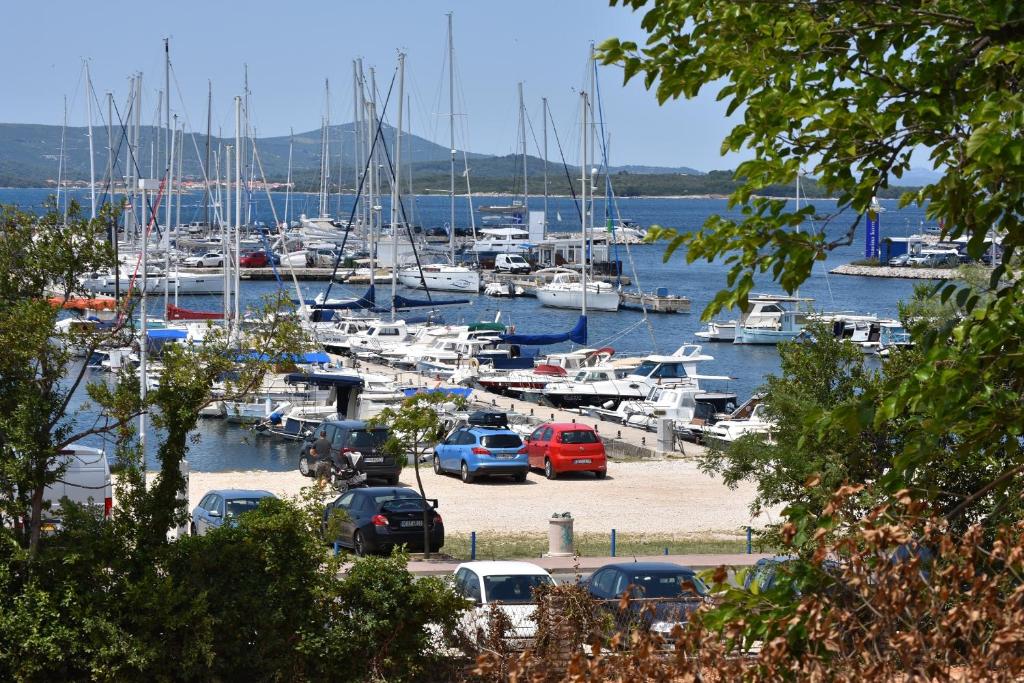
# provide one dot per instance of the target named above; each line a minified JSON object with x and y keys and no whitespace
{"x":485,"y":327}
{"x":179,"y":313}
{"x":402,"y":303}
{"x":463,"y":392}
{"x":167,"y":333}
{"x":577,"y":335}
{"x":324,"y":380}
{"x":366,"y":301}
{"x":504,"y":232}
{"x":99,"y":303}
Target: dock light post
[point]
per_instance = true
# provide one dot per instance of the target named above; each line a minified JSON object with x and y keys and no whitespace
{"x":613,"y":542}
{"x":472,"y":545}
{"x":750,"y":535}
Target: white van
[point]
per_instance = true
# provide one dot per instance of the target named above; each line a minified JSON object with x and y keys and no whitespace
{"x":511,"y":263}
{"x":85,"y":480}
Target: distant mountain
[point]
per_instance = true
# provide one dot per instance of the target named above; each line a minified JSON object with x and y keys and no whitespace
{"x":656,"y":170}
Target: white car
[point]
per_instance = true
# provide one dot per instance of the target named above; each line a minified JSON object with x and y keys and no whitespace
{"x":510,"y":586}
{"x":210,"y":259}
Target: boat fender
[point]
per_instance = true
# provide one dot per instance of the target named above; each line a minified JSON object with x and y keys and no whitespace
{"x":473,"y":363}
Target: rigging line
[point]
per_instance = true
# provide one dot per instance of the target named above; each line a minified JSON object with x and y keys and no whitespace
{"x":192,"y":135}
{"x":359,"y":191}
{"x":408,"y":230}
{"x":610,"y":197}
{"x":273,"y":212}
{"x":138,"y":169}
{"x":565,"y":166}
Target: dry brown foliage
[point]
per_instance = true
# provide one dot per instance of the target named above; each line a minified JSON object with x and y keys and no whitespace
{"x":895,"y":597}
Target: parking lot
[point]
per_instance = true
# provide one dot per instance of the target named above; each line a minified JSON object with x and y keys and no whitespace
{"x":655,"y":497}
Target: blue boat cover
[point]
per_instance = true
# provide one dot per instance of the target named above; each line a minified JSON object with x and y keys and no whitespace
{"x":364,"y":302}
{"x":577,"y":335}
{"x":464,"y":392}
{"x":402,"y":303}
{"x":323,"y":380}
{"x":163,"y":333}
{"x":311,"y":357}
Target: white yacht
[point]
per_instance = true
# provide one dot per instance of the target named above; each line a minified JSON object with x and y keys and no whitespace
{"x":772,"y":319}
{"x":607,"y":389}
{"x":441,"y":278}
{"x":718,"y":331}
{"x":566,"y":291}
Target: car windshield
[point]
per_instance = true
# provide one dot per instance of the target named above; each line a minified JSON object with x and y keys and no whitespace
{"x":579,"y":436}
{"x":238,"y":506}
{"x":514,"y":588}
{"x":501,"y":441}
{"x":364,"y":438}
{"x":666,"y":584}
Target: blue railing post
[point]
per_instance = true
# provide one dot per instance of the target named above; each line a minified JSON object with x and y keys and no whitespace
{"x":613,"y":542}
{"x":666,"y":550}
{"x":337,"y":548}
{"x":750,"y":535}
{"x":472,"y":545}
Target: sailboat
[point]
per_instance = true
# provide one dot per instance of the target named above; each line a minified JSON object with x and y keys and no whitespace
{"x":446,"y":277}
{"x":571,"y":290}
{"x":323,"y":226}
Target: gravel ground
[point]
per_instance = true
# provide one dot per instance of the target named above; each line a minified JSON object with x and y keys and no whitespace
{"x":659,"y":497}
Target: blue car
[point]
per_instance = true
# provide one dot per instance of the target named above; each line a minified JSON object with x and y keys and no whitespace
{"x":482,"y":451}
{"x":224,"y":506}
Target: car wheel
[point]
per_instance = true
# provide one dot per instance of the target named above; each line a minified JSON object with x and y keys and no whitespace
{"x":437,"y":465}
{"x":304,"y":467}
{"x":600,"y":474}
{"x":192,"y":529}
{"x":521,"y":477}
{"x":220,"y":264}
{"x":467,"y":476}
{"x":358,"y":544}
{"x":549,"y":470}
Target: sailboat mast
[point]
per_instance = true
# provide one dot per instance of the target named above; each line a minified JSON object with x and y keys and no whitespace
{"x":92,"y":160}
{"x":60,"y":162}
{"x":168,"y":147}
{"x":225,"y":220}
{"x":238,"y":202}
{"x":288,"y":186}
{"x":208,"y":198}
{"x":355,"y":135}
{"x":110,"y":179}
{"x":451,"y":140}
{"x":396,"y":187}
{"x":593,"y":134}
{"x":798,"y":225}
{"x":584,"y":181}
{"x":544,"y":100}
{"x":522,"y":132}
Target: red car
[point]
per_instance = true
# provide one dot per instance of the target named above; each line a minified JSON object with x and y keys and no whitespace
{"x":559,"y":447}
{"x":256,"y":259}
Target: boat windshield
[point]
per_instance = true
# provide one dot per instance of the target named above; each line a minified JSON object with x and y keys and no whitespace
{"x":655,"y":370}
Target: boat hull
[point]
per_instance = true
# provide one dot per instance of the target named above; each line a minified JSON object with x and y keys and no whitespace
{"x":565,"y":298}
{"x":462,"y":280}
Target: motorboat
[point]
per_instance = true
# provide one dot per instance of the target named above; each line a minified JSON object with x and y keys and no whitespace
{"x":772,"y":319}
{"x":718,"y":331}
{"x":553,"y":367}
{"x":608,"y":389}
{"x":503,"y":289}
{"x":679,"y":403}
{"x":749,"y":418}
{"x":566,"y":291}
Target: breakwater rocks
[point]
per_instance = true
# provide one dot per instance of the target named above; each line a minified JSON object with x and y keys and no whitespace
{"x":901,"y":272}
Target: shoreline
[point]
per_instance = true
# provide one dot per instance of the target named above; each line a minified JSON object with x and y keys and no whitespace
{"x":903,"y":272}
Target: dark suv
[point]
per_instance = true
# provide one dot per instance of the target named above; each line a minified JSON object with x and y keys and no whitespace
{"x":348,"y":436}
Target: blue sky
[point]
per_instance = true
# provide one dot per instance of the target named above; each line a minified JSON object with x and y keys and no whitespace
{"x":290,"y":47}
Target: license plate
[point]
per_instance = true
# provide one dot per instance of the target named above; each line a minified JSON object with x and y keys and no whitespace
{"x":505,"y":456}
{"x":581,"y":461}
{"x":411,"y":522}
{"x":374,"y":460}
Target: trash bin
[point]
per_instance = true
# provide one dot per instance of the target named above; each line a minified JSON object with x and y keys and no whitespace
{"x":560,"y":535}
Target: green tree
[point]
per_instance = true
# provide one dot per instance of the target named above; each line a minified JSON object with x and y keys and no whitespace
{"x":416,"y":427}
{"x":849,"y":91}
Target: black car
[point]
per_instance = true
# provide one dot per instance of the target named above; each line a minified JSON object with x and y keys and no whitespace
{"x":376,"y":519}
{"x":662,"y":594}
{"x":348,"y":437}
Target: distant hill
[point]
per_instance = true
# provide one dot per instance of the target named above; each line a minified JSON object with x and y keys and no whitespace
{"x":29,"y":155}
